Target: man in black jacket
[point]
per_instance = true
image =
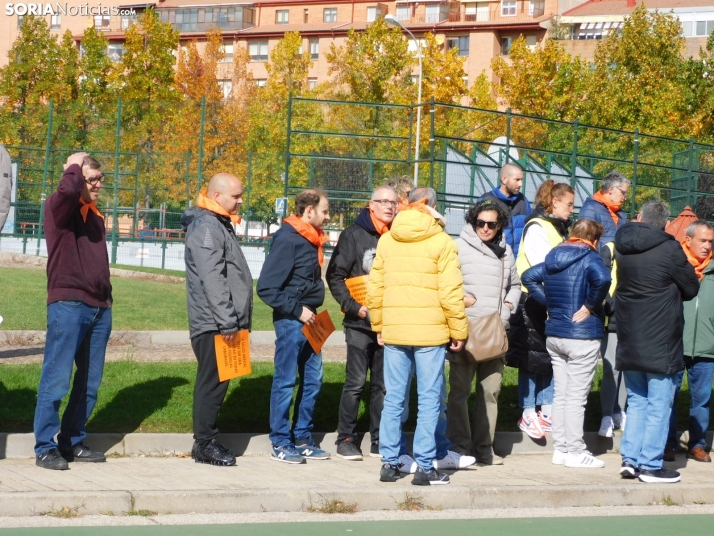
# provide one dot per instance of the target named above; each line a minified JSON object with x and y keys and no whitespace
{"x":353,"y":258}
{"x":291,"y":284}
{"x":654,"y":278}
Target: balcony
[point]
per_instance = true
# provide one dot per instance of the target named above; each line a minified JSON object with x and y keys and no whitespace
{"x":201,"y":19}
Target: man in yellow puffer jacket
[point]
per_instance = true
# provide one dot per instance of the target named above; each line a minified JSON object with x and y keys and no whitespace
{"x":415,"y":299}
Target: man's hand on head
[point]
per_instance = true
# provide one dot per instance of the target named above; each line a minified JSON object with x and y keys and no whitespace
{"x":76,"y":158}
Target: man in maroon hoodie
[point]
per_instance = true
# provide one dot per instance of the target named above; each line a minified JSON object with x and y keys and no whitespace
{"x":79,"y":314}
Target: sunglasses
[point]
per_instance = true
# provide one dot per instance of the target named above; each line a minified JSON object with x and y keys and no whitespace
{"x":491,"y":224}
{"x":94,"y":180}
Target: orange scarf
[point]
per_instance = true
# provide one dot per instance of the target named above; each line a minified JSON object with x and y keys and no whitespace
{"x":86,"y":207}
{"x":582,"y":241}
{"x":699,"y":266}
{"x":402,"y":204}
{"x":418,"y":205}
{"x":209,"y":204}
{"x":612,"y":207}
{"x":314,"y":236}
{"x":379,"y":225}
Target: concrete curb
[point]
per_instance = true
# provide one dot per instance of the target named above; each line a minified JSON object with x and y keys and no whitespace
{"x":137,"y":444}
{"x":32,"y":503}
{"x":146,"y":338}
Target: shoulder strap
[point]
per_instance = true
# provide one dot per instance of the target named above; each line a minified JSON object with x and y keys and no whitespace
{"x":500,"y":290}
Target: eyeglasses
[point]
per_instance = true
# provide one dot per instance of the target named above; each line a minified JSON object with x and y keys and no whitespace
{"x":623,"y":192}
{"x":94,"y":180}
{"x":385,"y":202}
{"x":491,"y":224}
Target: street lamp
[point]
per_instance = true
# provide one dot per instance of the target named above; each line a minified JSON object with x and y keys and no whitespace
{"x":392,"y":21}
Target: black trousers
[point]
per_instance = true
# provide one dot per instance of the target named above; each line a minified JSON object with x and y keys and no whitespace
{"x":209,"y":392}
{"x":363,"y":354}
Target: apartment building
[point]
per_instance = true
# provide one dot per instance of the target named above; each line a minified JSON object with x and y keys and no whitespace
{"x":479,"y":30}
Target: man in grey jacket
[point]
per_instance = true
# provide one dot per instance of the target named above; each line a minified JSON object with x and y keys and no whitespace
{"x":220,"y":300}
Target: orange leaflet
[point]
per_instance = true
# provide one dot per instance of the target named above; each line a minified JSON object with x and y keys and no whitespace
{"x":233,"y":358}
{"x":358,"y":288}
{"x":318,"y":332}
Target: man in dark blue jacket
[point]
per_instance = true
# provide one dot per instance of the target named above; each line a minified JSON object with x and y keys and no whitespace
{"x":572,"y":283}
{"x":516,"y":204}
{"x":291,"y":284}
{"x":605,"y":205}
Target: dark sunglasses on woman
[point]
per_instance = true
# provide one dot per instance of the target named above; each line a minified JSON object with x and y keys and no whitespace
{"x":491,"y":224}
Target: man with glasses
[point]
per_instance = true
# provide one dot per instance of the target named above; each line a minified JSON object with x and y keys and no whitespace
{"x":353,"y":257}
{"x":79,"y":315}
{"x":605,"y":206}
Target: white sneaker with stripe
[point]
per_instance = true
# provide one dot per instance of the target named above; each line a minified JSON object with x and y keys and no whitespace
{"x":583,"y":460}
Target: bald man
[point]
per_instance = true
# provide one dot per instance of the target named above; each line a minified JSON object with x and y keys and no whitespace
{"x":220,"y":301}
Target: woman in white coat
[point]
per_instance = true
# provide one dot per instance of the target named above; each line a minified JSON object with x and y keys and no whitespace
{"x":491,"y":283}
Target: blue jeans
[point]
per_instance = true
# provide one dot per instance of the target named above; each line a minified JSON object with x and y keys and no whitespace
{"x":649,"y":403}
{"x":293,"y":356}
{"x":534,"y":389}
{"x":76,"y":334}
{"x":429,"y":438}
{"x":700,"y":373}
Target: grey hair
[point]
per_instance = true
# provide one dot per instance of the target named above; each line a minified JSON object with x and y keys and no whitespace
{"x":417,"y":194}
{"x":655,"y":213}
{"x":383,"y":187}
{"x":614,"y":179}
{"x":692,"y":229}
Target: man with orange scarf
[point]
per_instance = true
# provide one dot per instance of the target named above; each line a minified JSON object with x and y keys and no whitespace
{"x":291,"y":284}
{"x":605,"y":206}
{"x":353,"y":257}
{"x":219,"y":288}
{"x":698,"y":341}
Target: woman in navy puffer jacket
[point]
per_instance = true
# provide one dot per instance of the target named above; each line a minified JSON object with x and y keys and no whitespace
{"x":572,"y":283}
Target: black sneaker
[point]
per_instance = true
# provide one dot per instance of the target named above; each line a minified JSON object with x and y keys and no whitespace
{"x":432,"y":478}
{"x":52,"y":459}
{"x":347,"y":450}
{"x":374,"y":451}
{"x":213,"y":453}
{"x":389,"y":473}
{"x":663,"y":476}
{"x":628,"y":470}
{"x":80,"y":453}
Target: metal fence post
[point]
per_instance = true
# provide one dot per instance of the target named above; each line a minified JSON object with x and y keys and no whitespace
{"x":574,"y":163}
{"x":249,"y":180}
{"x":636,"y":152}
{"x":115,"y":219}
{"x":508,"y":138}
{"x":199,"y":172}
{"x":43,"y":196}
{"x":690,"y":172}
{"x":411,"y":133}
{"x":286,"y":174}
{"x":432,"y":156}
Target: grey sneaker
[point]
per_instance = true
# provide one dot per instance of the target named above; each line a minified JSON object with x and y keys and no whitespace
{"x":52,"y":459}
{"x":347,"y":450}
{"x":81,"y":453}
{"x":431,"y":478}
{"x":311,"y":452}
{"x":389,"y":473}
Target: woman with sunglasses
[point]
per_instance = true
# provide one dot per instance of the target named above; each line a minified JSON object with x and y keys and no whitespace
{"x":491,"y":284}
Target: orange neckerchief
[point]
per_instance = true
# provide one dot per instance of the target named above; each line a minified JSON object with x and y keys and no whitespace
{"x":582,"y":241}
{"x":209,"y":204}
{"x":86,"y":207}
{"x":612,"y":207}
{"x":418,"y":205}
{"x":379,"y":225}
{"x":314,"y":236}
{"x":699,"y":266}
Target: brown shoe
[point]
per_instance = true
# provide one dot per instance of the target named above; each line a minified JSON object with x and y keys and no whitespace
{"x":669,"y":453}
{"x":699,"y":454}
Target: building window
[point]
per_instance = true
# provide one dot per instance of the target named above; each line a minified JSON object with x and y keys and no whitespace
{"x":508,"y":8}
{"x":115,"y":51}
{"x":329,"y":14}
{"x":228,"y":51}
{"x":704,"y":28}
{"x":260,"y":82}
{"x":432,"y":12}
{"x":536,"y":8}
{"x":19,"y":20}
{"x":226,"y":87}
{"x":531,"y":42}
{"x":687,"y":28}
{"x":101,"y":22}
{"x":258,"y":51}
{"x":466,"y":80}
{"x":459,"y":43}
{"x":506,"y":46}
{"x":282,"y":16}
{"x":476,"y":11}
{"x":305,"y":16}
{"x":374,"y":13}
{"x":404,"y":13}
{"x":415,"y":79}
{"x":127,"y":21}
{"x":412,"y":46}
{"x":314,"y":49}
{"x":55,"y":22}
{"x":311,"y":83}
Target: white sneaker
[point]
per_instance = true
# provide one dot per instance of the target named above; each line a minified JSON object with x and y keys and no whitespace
{"x":407,"y":464}
{"x":559,"y":457}
{"x":618,"y":420}
{"x":584,"y":460}
{"x":607,"y":427}
{"x":454,"y":460}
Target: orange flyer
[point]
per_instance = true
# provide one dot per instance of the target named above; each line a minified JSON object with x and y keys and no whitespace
{"x":318,"y":332}
{"x":233,"y":358}
{"x":358,"y":288}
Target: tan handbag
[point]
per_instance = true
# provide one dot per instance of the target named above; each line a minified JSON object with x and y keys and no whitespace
{"x":487,"y":336}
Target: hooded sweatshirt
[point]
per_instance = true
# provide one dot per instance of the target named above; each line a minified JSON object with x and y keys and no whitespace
{"x":518,"y":208}
{"x":415,"y":293}
{"x":654,"y":277}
